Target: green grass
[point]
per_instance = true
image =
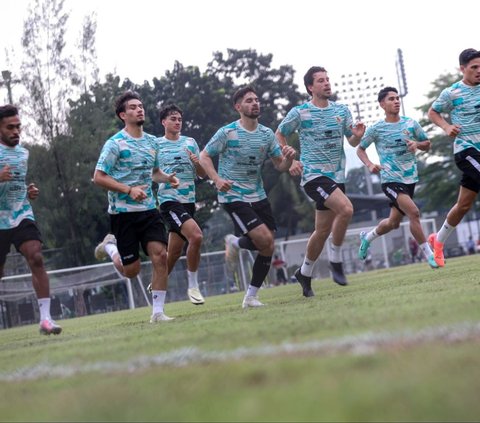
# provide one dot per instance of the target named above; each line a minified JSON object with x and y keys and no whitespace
{"x":426,"y":380}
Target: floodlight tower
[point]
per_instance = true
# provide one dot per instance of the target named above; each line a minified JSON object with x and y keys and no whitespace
{"x":401,"y":77}
{"x":7,"y":82}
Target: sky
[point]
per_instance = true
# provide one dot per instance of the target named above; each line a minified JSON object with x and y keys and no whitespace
{"x":142,"y":39}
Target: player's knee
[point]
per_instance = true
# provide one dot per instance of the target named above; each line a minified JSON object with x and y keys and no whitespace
{"x":131,"y":270}
{"x":159,"y":256}
{"x":35,"y":260}
{"x":196,"y":239}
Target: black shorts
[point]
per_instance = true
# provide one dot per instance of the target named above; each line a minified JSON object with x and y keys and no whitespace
{"x":175,"y":214}
{"x":468,"y":161}
{"x":247,"y":216}
{"x":134,"y":228}
{"x":392,"y":189}
{"x":26,"y":231}
{"x":319,"y":189}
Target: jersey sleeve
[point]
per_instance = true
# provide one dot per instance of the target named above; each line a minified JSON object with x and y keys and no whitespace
{"x":108,"y":157}
{"x":368,"y":138}
{"x":290,"y":123}
{"x":443,"y":104}
{"x":217,"y":143}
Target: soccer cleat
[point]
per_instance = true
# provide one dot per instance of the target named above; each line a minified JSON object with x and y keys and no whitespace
{"x":231,"y":250}
{"x":305,"y":282}
{"x":251,"y":301}
{"x":364,"y":245}
{"x":195,"y":296}
{"x":100,"y":253}
{"x":160,"y":317}
{"x":149,"y":288}
{"x":48,"y":326}
{"x":336,"y":269}
{"x":431,"y":261}
{"x":437,"y":248}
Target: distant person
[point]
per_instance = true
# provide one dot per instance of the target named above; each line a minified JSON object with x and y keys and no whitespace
{"x":413,"y":247}
{"x":180,"y":155}
{"x":242,"y":147}
{"x":322,"y":125}
{"x":279,"y":265}
{"x":461,"y":101}
{"x":471,"y":245}
{"x":127,"y":163}
{"x":17,"y":223}
{"x":396,"y":139}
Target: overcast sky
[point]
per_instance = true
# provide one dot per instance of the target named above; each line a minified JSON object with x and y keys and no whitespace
{"x":141,"y":39}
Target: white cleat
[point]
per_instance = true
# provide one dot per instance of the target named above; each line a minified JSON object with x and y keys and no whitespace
{"x":251,"y":302}
{"x":100,"y":253}
{"x":195,"y":296}
{"x":160,"y":317}
{"x":48,"y":326}
{"x":231,"y":250}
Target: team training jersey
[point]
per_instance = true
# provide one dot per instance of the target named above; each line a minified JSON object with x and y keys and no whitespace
{"x":14,"y":204}
{"x":242,"y":154}
{"x":398,"y":164}
{"x":130,"y":161}
{"x":463,"y":103}
{"x":173,"y":157}
{"x":321,"y":132}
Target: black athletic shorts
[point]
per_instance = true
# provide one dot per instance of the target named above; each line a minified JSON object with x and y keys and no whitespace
{"x":468,"y":161}
{"x":26,"y":231}
{"x":175,"y":214}
{"x":134,"y":228}
{"x":319,"y":189}
{"x":392,"y":189}
{"x":247,"y":216}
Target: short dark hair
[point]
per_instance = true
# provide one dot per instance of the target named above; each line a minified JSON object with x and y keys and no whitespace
{"x":168,"y":110}
{"x":241,"y":92}
{"x":468,"y":55}
{"x":8,"y":111}
{"x":308,"y":77}
{"x":121,"y":102}
{"x":384,"y":92}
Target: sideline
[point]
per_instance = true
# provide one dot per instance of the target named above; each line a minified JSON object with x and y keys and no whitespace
{"x":362,"y":344}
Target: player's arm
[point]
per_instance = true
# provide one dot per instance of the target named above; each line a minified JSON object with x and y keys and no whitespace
{"x":363,"y":156}
{"x":296,"y":167}
{"x":199,"y":170}
{"x":439,"y":120}
{"x":159,"y":176}
{"x":103,"y":180}
{"x":207,"y":164}
{"x":284,"y":162}
{"x":357,"y":133}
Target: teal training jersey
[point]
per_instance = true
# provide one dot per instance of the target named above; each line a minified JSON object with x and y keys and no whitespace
{"x":321,"y":132}
{"x":130,"y":161}
{"x":173,"y":157}
{"x":398,"y":164}
{"x":241,"y":156}
{"x":463,"y":103}
{"x":14,"y":204}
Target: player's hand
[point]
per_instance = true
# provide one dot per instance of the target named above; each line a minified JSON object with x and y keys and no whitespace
{"x":32,"y":191}
{"x":173,"y":180}
{"x":288,"y":152}
{"x":296,"y":168}
{"x":374,"y":168}
{"x":223,"y":185}
{"x":453,"y":130}
{"x":411,"y":145}
{"x":138,"y":193}
{"x":193,"y":157}
{"x":359,"y":129}
{"x":6,"y":174}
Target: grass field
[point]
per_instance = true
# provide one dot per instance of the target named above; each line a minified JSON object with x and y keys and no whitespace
{"x":395,"y":345}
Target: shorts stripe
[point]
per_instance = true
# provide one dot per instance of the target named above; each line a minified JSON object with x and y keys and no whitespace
{"x":323,"y":193}
{"x":474,"y":163}
{"x":175,"y":218}
{"x":240,"y":224}
{"x":392,"y":193}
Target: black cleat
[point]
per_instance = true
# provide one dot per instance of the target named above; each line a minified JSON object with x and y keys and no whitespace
{"x":306,"y":283}
{"x":336,"y":269}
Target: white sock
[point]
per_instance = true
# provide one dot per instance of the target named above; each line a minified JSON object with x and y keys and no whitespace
{"x":192,"y":279}
{"x":235,"y":241}
{"x":307,"y":267}
{"x":111,"y":249}
{"x":44,"y":307}
{"x":444,"y":232}
{"x":372,"y":235}
{"x":252,"y":291}
{"x":335,"y":253}
{"x":427,"y":251}
{"x":158,"y":301}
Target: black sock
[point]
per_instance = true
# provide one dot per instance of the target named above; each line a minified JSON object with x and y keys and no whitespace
{"x":260,"y":270}
{"x":246,"y":243}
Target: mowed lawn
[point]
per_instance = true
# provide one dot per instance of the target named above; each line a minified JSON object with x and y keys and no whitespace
{"x":401,"y":344}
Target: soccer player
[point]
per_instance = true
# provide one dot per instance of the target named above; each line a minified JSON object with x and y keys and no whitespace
{"x":242,"y":147}
{"x":396,"y":139}
{"x":322,"y":125}
{"x":462,"y":102}
{"x":17,"y":223}
{"x":127,"y":164}
{"x":180,"y":155}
